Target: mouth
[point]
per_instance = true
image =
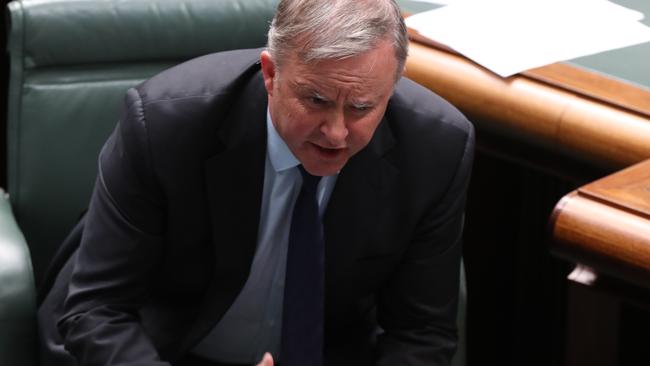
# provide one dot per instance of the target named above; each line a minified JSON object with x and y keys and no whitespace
{"x":329,"y":153}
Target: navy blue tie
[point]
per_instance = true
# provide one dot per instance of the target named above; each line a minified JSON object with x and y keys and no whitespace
{"x":304,"y":286}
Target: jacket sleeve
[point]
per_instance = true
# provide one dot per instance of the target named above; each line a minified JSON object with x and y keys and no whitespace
{"x":120,"y":249}
{"x":417,"y":308}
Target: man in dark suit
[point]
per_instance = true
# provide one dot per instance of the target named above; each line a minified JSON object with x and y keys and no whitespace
{"x":189,"y":252}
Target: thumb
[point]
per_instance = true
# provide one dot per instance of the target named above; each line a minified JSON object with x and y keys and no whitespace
{"x":267,"y":360}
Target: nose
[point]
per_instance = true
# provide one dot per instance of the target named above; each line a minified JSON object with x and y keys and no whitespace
{"x":334,"y":129}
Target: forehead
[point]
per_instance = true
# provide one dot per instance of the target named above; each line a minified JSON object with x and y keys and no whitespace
{"x":372,"y":71}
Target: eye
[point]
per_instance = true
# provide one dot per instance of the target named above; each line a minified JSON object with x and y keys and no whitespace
{"x":317,"y":100}
{"x":361,"y":108}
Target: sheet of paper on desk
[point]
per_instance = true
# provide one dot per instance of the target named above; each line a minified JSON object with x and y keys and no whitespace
{"x":510,"y":36}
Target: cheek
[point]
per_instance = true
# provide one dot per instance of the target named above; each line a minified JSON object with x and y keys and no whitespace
{"x":299,"y":123}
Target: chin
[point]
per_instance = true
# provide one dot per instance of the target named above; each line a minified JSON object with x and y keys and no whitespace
{"x":322,"y":165}
{"x":323,"y":170}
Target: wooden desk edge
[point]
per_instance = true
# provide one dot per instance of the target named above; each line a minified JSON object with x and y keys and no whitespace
{"x":627,"y":189}
{"x":580,"y":81}
{"x":611,"y":245}
{"x":543,"y":115}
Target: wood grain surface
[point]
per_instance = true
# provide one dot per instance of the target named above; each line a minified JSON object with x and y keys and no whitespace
{"x":627,"y":190}
{"x":534,"y":110}
{"x":587,"y":83}
{"x":606,"y":225}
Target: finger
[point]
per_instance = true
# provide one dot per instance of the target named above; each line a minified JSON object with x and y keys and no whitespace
{"x":267,"y":360}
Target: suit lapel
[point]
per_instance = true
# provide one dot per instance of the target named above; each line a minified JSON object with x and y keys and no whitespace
{"x":234,"y":181}
{"x":361,"y":188}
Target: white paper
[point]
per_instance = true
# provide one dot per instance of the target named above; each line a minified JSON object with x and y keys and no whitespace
{"x":510,"y":36}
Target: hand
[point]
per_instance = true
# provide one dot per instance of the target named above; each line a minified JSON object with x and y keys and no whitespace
{"x":267,"y":360}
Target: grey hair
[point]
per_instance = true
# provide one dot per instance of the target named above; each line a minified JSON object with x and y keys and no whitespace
{"x":336,"y":29}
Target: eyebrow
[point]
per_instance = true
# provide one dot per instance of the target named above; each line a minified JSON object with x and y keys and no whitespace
{"x":312,"y":90}
{"x":306,"y":88}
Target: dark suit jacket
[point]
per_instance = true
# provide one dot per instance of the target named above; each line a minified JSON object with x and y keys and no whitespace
{"x":171,"y":228}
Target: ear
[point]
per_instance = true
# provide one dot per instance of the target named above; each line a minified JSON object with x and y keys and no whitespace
{"x":268,"y":71}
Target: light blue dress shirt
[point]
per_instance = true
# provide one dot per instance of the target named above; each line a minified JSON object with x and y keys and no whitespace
{"x":253,"y":324}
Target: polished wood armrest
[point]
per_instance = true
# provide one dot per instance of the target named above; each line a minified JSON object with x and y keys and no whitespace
{"x":541,"y":107}
{"x":606,"y":225}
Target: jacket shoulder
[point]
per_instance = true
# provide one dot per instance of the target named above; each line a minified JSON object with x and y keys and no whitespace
{"x":420,"y":108}
{"x":212,"y":74}
{"x":433,"y":143}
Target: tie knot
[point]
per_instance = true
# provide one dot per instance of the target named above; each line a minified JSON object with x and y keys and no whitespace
{"x":309,"y":181}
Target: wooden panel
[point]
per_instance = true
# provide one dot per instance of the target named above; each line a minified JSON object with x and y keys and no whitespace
{"x":592,"y":327}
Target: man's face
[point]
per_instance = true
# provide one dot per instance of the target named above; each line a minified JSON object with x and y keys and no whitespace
{"x":328,"y":110}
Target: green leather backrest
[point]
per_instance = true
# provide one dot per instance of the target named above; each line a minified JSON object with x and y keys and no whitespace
{"x":71,"y":62}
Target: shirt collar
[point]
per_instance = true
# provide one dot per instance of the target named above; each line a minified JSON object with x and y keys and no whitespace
{"x":281,"y":157}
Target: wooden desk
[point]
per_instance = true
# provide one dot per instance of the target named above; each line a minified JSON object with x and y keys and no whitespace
{"x":591,"y":117}
{"x":586,"y":115}
{"x":604,"y":228}
{"x":606,"y":225}
{"x":580,"y":114}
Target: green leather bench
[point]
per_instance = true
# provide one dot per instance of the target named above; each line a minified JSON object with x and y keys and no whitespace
{"x":71,"y":63}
